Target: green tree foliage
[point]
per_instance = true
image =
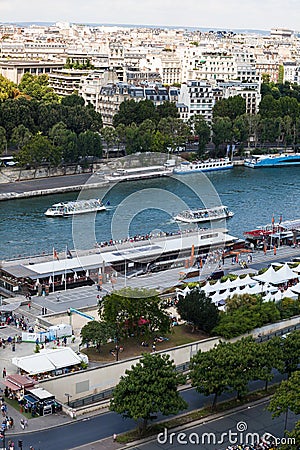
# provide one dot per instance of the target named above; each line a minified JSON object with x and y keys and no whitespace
{"x":7,"y":89}
{"x":20,"y":136}
{"x":231,"y":107}
{"x":287,"y":396}
{"x":288,"y":307}
{"x":291,"y":352}
{"x":201,"y":129}
{"x":66,"y":141}
{"x":222,"y":131}
{"x":148,"y":388}
{"x":36,"y":86}
{"x":89,"y":144}
{"x":246,"y":317}
{"x":96,"y":333}
{"x":3,"y":140}
{"x":135,"y":311}
{"x":226,"y":367}
{"x":38,"y":150}
{"x":167,"y":109}
{"x":269,"y":356}
{"x":198,"y":309}
{"x":72,"y":100}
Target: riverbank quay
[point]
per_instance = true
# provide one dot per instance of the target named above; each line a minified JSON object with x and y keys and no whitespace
{"x":50,"y":186}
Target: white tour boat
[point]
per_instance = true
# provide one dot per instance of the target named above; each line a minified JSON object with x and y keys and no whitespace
{"x":76,"y":207}
{"x":203,"y":166}
{"x":204,"y":214}
{"x":139,"y":173}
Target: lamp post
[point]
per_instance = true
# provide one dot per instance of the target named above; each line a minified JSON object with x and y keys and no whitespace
{"x":68,"y":398}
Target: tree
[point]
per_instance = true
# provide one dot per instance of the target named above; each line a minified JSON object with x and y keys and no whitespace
{"x":3,"y":140}
{"x":36,"y":86}
{"x":167,"y":109}
{"x":231,"y":107}
{"x":222,"y":131}
{"x":202,"y":130}
{"x":89,"y":144}
{"x":209,"y":372}
{"x":109,"y":135}
{"x":37,"y":151}
{"x":72,"y":100}
{"x":7,"y":89}
{"x":135,"y":311}
{"x":291,"y":352}
{"x":198,"y":309}
{"x":226,"y":367}
{"x":287,"y":396}
{"x":269,"y":357}
{"x":97,"y":333}
{"x":20,"y":136}
{"x":148,"y":388}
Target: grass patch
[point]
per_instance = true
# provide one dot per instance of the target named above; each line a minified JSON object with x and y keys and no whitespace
{"x":14,"y":404}
{"x":179,"y":335}
{"x":192,"y":416}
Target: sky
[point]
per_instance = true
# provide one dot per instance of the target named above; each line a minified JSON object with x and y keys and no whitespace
{"x":238,"y":14}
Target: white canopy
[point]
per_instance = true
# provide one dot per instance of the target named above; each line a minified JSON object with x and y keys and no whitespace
{"x":285,"y":273}
{"x":267,"y":277}
{"x":296,"y":288}
{"x":290,"y":294}
{"x":247,"y":280}
{"x":47,"y":360}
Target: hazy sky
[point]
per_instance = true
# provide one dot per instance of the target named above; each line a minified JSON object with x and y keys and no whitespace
{"x":259,"y":14}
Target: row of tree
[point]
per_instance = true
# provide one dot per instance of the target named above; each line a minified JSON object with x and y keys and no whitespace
{"x":243,"y":313}
{"x":150,"y":387}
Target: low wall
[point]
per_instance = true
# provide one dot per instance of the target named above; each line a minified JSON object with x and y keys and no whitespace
{"x":92,"y":381}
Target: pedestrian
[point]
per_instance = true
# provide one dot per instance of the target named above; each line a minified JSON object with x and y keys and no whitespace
{"x":114,"y":437}
{"x":275,"y":250}
{"x":29,"y":305}
{"x":3,"y":372}
{"x":58,"y":298}
{"x":153,"y":347}
{"x":43,"y":311}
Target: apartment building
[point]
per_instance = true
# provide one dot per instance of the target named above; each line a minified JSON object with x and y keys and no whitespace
{"x":15,"y":69}
{"x":249,"y":91}
{"x":198,"y":98}
{"x":291,"y":72}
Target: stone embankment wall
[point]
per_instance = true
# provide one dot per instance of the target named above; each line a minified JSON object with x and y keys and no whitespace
{"x":9,"y":174}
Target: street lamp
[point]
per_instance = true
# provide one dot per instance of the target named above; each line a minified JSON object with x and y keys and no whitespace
{"x":68,"y":398}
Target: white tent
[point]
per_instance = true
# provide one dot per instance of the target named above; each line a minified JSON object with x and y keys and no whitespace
{"x":278,"y":296}
{"x":228,"y":284}
{"x":268,"y":298}
{"x":267,"y":277}
{"x":47,"y":360}
{"x":290,"y":294}
{"x":247,"y":280}
{"x":285,"y":273}
{"x":296,"y":288}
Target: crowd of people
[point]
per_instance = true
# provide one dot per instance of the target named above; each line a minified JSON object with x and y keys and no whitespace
{"x":262,"y":445}
{"x":140,"y":237}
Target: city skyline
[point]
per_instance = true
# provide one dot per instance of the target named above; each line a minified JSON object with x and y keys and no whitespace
{"x":215,"y":14}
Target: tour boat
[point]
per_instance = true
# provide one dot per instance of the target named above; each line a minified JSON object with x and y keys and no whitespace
{"x":279,"y":160}
{"x":139,"y":173}
{"x":203,"y":166}
{"x":204,"y":214}
{"x":76,"y":207}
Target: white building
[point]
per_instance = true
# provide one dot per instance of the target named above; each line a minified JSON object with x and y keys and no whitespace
{"x":198,"y":97}
{"x":291,"y":72}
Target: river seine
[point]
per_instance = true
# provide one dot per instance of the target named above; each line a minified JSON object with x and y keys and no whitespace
{"x":253,"y":195}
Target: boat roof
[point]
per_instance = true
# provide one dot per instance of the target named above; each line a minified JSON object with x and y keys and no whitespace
{"x":143,"y":250}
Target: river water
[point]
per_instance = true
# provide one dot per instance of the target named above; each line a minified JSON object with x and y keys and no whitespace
{"x":148,"y":206}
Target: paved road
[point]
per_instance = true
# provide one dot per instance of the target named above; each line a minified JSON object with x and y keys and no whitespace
{"x":83,"y":432}
{"x":216,"y":433}
{"x":44,"y":183}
